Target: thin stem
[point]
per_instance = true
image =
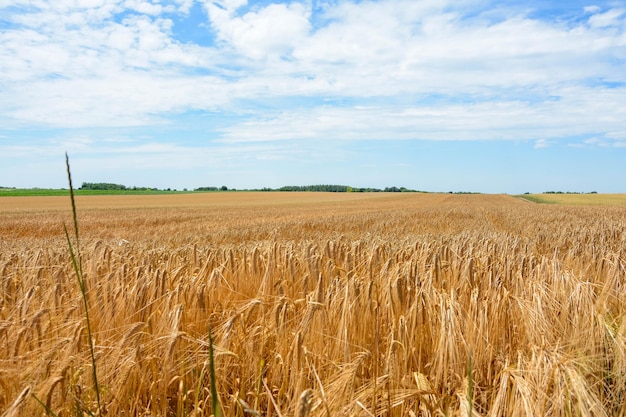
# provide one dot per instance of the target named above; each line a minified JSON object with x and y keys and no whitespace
{"x":78,"y":269}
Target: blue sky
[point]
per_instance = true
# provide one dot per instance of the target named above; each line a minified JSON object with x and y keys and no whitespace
{"x":435,"y":95}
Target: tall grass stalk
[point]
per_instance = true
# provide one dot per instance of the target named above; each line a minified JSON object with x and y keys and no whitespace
{"x":78,"y":269}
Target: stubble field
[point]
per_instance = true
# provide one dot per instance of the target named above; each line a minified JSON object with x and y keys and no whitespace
{"x":318,"y":304}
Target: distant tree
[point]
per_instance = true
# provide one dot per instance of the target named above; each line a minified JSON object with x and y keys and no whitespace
{"x":101,"y":186}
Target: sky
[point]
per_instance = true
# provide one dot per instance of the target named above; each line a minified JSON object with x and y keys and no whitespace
{"x":433,"y":95}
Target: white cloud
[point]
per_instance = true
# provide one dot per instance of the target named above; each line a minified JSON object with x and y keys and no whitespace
{"x":608,"y":18}
{"x":271,"y":31}
{"x":125,"y":99}
{"x":595,"y":141}
{"x":592,"y":9}
{"x":577,"y":111}
{"x":147,"y":7}
{"x":606,"y":140}
{"x":617,"y":135}
{"x":542,"y":144}
{"x":614,"y":139}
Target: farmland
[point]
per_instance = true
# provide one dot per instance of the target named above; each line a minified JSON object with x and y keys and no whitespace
{"x":578,"y":199}
{"x":319,"y":304}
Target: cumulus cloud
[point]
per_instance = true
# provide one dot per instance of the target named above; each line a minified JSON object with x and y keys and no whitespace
{"x":273,"y":30}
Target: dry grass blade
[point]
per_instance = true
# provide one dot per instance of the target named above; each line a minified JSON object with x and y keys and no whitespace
{"x":14,"y":408}
{"x":271,"y":397}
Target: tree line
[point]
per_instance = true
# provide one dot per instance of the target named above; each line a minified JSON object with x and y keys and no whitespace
{"x":106,"y":186}
{"x":333,"y":188}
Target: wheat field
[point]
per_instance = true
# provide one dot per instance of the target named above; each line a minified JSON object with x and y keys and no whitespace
{"x":317,"y":305}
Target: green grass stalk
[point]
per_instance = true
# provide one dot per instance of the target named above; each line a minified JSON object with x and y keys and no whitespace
{"x":78,"y":269}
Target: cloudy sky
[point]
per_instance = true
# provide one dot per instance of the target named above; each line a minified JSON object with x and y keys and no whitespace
{"x":435,"y":95}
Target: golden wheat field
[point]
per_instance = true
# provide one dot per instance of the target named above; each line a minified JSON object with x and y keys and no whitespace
{"x":316,"y":304}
